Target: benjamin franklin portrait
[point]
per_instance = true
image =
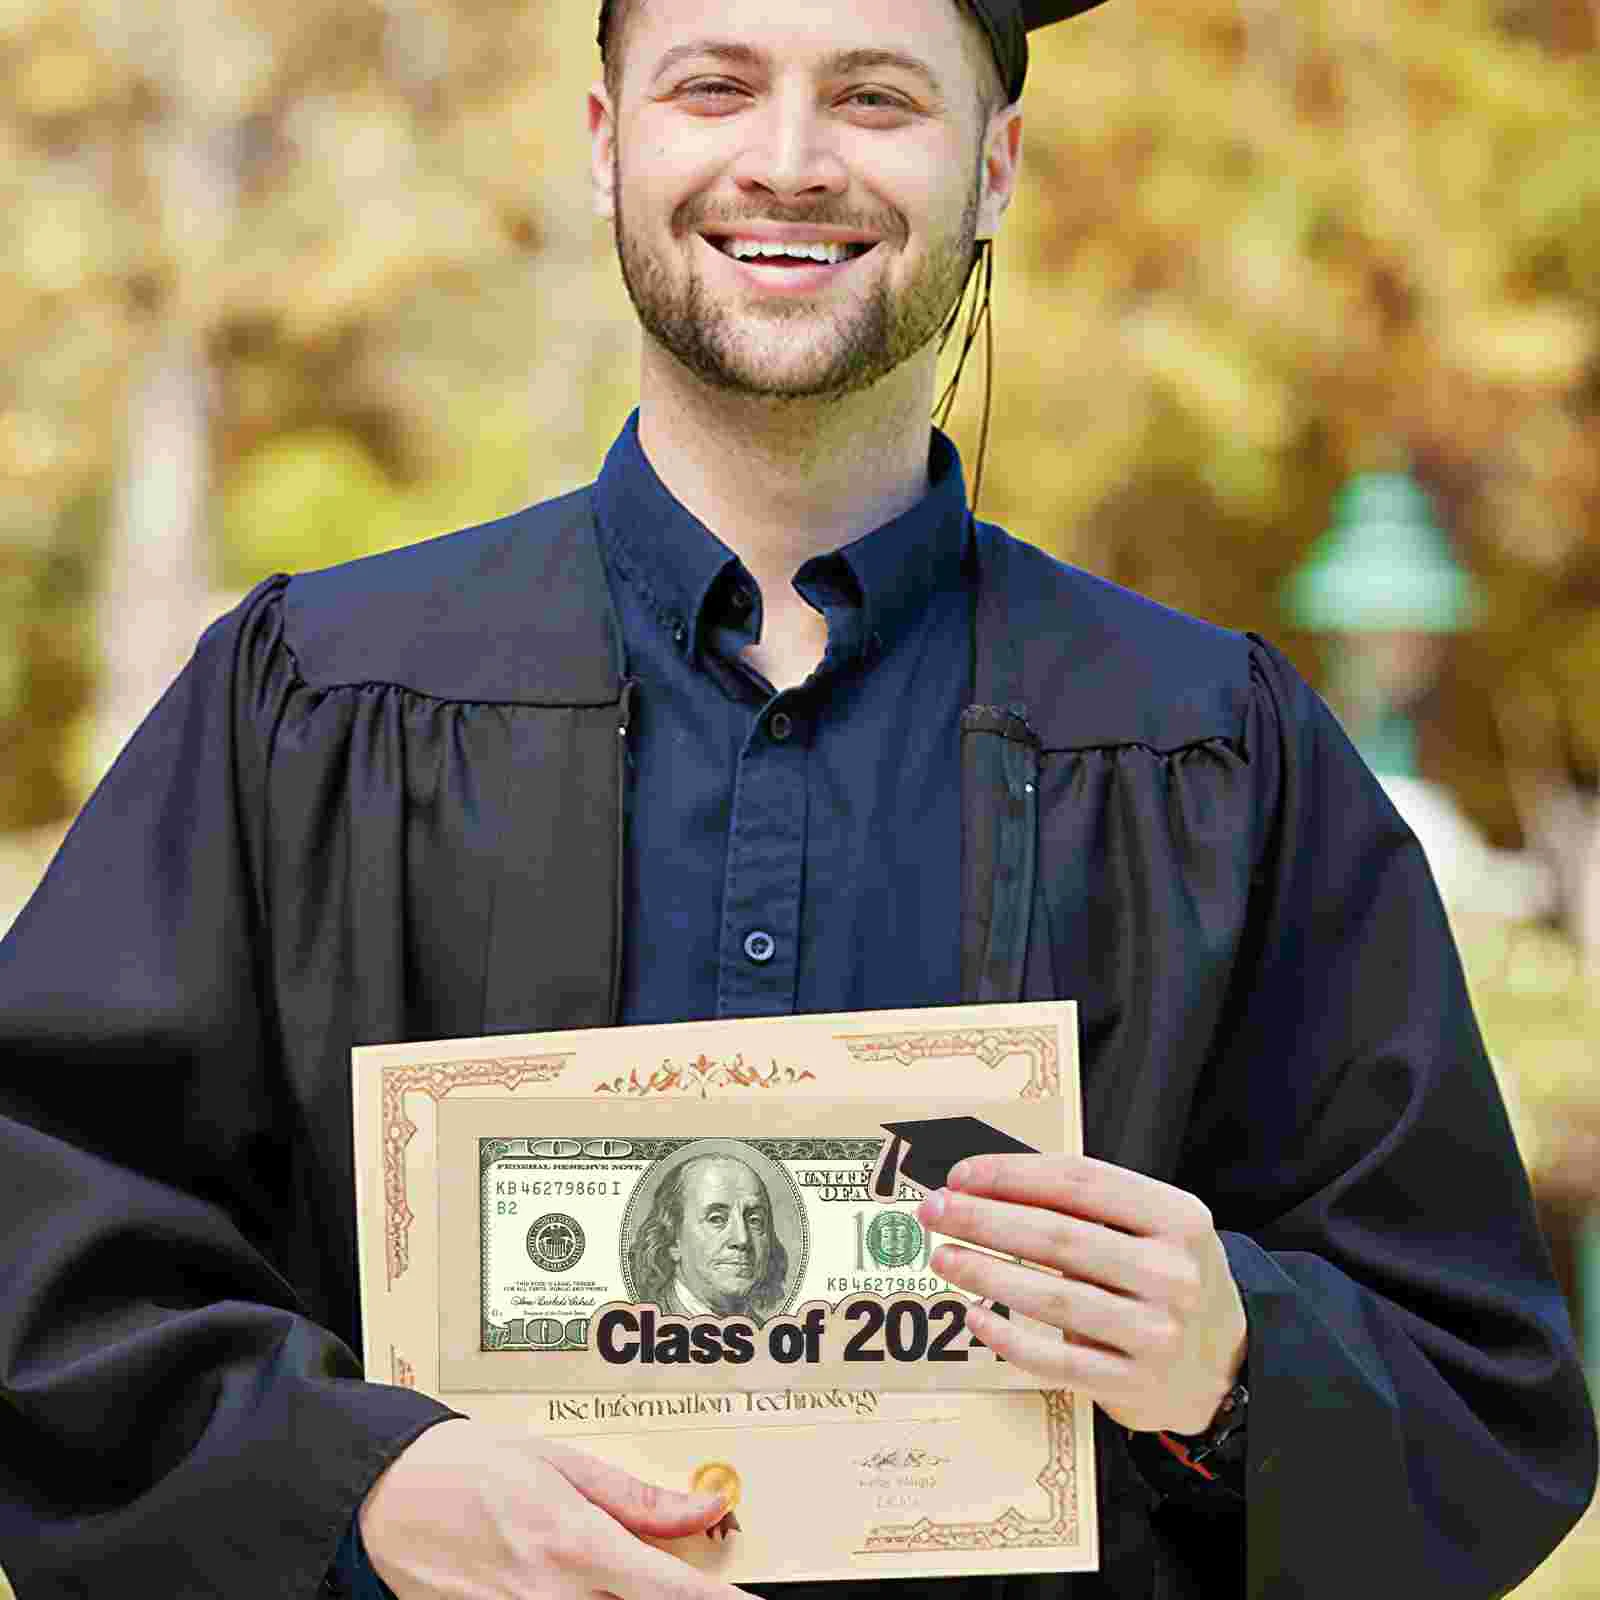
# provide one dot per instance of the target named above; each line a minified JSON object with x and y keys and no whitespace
{"x":710,"y":1244}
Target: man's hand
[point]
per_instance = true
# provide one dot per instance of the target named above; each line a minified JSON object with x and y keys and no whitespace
{"x":1136,"y":1278}
{"x":472,"y":1512}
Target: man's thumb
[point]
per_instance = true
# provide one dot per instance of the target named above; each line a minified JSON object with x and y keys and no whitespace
{"x":643,"y":1508}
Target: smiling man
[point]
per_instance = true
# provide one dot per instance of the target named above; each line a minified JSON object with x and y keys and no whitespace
{"x":873,"y":753}
{"x":797,"y":196}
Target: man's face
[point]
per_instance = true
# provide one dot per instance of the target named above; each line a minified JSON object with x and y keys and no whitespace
{"x":742,"y":119}
{"x":726,"y":1234}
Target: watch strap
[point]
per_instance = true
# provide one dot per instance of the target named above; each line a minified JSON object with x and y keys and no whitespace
{"x":1169,"y":1461}
{"x":1227,"y":1422}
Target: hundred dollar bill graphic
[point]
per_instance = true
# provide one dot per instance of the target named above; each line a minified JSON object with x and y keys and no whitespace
{"x":696,"y":1227}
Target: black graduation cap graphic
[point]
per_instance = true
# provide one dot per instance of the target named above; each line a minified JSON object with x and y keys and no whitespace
{"x":924,"y":1152}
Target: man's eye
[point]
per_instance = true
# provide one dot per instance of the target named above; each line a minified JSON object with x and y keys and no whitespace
{"x":887,"y":102}
{"x":715,"y":87}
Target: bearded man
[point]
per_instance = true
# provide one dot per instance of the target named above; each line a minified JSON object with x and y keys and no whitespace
{"x":874,"y":753}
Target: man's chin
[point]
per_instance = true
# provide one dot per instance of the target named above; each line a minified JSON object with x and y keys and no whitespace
{"x":772,"y":382}
{"x":766,"y":360}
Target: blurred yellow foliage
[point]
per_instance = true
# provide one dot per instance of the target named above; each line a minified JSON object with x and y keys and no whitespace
{"x":1255,"y":249}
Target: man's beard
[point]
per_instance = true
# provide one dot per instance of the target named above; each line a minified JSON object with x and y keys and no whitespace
{"x":854,"y":345}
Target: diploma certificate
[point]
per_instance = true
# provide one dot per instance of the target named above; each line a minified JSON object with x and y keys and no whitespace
{"x":693,"y":1250}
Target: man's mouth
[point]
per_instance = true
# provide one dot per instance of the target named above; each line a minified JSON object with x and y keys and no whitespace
{"x":789,"y":253}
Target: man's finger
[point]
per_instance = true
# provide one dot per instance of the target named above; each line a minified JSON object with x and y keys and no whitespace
{"x":618,"y":1564}
{"x":1058,"y":1363}
{"x":1085,"y":1250}
{"x":1083,"y":1186}
{"x":643,"y":1508}
{"x":1114,"y":1322}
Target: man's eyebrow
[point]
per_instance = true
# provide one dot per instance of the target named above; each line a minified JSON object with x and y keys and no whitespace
{"x":847,"y":61}
{"x":840,"y":64}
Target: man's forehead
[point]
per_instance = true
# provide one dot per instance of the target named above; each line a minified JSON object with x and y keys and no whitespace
{"x":806,"y":30}
{"x":720,"y":1175}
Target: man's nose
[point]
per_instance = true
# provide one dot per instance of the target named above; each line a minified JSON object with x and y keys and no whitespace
{"x":791,"y":153}
{"x":738,"y":1230}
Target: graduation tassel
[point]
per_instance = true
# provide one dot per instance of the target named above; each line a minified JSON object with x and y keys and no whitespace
{"x":979,"y":315}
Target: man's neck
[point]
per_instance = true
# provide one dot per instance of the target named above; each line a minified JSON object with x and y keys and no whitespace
{"x":781,"y":481}
{"x":692,"y":1304}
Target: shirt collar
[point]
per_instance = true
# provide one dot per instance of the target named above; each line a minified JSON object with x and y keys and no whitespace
{"x":692,"y":1304}
{"x":687,"y":574}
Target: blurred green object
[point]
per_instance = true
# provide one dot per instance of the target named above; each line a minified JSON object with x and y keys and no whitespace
{"x":1384,"y":566}
{"x":1385,"y":584}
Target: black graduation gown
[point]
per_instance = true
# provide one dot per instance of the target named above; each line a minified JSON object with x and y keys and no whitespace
{"x":382,"y":803}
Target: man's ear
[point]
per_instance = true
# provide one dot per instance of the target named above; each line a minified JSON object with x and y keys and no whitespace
{"x":1002,"y":163}
{"x":602,"y":151}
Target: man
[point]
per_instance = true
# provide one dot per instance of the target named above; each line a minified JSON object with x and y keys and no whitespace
{"x":707,"y":1249}
{"x":924,"y":763}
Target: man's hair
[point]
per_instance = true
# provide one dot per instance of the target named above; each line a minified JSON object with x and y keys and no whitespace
{"x":617,"y":15}
{"x":650,"y":1252}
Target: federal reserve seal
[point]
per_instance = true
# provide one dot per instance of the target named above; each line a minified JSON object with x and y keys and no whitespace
{"x":894,"y":1238}
{"x":555,"y":1242}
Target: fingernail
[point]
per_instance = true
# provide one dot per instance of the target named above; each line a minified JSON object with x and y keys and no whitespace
{"x":960,"y":1173}
{"x":933,"y":1207}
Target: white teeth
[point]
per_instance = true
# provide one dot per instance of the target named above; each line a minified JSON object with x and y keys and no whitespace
{"x":746,"y":249}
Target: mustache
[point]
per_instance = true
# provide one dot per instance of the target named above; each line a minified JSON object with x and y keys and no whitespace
{"x":884,"y":227}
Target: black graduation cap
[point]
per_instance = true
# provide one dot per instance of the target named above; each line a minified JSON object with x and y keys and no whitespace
{"x":925,"y":1151}
{"x":1008,"y":24}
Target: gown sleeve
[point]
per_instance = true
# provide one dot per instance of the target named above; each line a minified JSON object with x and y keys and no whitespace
{"x":173,"y":1420}
{"x":1418,"y":1412}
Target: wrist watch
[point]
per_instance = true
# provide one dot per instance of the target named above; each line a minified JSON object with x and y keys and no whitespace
{"x":1227,"y":1427}
{"x":1221,"y":1444}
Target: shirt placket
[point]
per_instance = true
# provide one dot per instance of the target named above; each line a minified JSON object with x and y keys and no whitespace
{"x":759,"y":950}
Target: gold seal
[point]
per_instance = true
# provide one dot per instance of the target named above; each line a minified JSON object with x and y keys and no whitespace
{"x":717,"y":1477}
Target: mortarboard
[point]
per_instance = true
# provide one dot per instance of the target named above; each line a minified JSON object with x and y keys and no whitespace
{"x":924,"y":1152}
{"x":1008,"y":24}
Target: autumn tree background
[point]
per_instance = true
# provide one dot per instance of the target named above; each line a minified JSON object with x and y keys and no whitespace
{"x":281,"y":284}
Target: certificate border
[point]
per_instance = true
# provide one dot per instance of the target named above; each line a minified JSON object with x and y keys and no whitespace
{"x":436,"y":1080}
{"x":1011,"y":1530}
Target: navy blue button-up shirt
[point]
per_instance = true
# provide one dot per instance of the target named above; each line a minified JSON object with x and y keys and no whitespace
{"x":794,"y":851}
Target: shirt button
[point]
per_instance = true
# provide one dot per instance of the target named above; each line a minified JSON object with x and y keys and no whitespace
{"x":741,"y":600}
{"x":680,"y":633}
{"x":760,"y":946}
{"x":780,"y":726}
